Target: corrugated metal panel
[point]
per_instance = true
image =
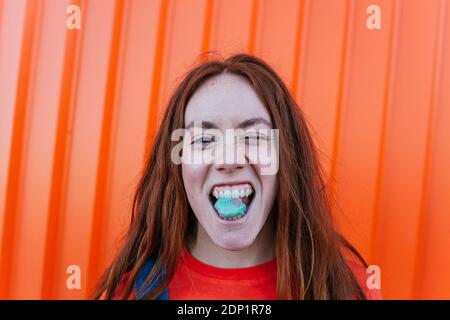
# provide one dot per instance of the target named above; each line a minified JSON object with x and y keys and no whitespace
{"x":79,"y":107}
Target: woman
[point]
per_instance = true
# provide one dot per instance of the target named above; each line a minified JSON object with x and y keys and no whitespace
{"x":227,"y":229}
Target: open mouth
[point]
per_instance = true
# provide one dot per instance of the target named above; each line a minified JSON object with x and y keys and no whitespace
{"x":232,"y":202}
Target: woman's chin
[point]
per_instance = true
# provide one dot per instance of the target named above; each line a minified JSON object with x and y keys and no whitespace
{"x":234,"y":242}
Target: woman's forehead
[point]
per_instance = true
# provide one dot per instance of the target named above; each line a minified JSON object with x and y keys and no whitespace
{"x":225,"y":99}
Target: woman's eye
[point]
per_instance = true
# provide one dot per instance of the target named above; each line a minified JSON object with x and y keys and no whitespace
{"x":204,"y":140}
{"x":254,"y":138}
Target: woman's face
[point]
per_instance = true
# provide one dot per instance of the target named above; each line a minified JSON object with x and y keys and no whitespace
{"x":230,"y":195}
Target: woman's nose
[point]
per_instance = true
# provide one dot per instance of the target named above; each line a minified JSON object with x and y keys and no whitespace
{"x":229,"y":158}
{"x":228,"y":167}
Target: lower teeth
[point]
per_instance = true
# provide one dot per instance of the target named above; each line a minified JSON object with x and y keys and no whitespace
{"x":234,"y":218}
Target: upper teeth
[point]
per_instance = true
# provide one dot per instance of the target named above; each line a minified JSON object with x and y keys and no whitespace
{"x":232,"y":192}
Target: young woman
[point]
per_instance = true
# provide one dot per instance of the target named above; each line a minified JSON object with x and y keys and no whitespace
{"x":225,"y":229}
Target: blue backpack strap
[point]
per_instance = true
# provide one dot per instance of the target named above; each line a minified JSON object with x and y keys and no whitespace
{"x":142,"y":276}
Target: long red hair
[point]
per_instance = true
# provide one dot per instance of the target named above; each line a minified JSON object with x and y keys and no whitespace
{"x":309,"y":249}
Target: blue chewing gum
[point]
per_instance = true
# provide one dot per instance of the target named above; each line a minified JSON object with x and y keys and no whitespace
{"x":230,"y":208}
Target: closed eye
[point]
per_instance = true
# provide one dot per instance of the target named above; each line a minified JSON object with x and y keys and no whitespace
{"x":203,"y":140}
{"x":255,"y":138}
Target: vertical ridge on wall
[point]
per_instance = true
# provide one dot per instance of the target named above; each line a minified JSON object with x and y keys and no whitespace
{"x":305,"y":23}
{"x":342,"y":89}
{"x":156,"y":79}
{"x":207,"y":26}
{"x":389,"y":84}
{"x":431,"y":125}
{"x":253,"y":25}
{"x":16,"y":152}
{"x":59,"y":175}
{"x":104,"y":162}
{"x":298,"y":49}
{"x":387,"y":104}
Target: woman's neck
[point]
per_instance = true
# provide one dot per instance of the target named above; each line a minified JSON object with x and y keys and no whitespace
{"x":260,"y":251}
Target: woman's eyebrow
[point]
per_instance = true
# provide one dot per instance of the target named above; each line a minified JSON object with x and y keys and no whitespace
{"x":204,"y":124}
{"x":253,"y":121}
{"x":242,"y":125}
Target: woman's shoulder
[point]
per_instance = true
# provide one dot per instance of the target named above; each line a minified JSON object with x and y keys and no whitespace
{"x":362,"y":276}
{"x":140,"y":283}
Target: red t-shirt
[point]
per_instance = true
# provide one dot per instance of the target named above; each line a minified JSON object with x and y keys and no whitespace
{"x":194,"y":279}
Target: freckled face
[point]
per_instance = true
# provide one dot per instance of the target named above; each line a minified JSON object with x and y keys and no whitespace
{"x":228,"y":101}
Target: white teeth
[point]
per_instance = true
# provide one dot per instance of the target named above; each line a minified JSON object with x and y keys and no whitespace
{"x":232,"y":193}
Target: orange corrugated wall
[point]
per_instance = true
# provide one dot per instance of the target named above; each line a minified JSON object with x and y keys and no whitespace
{"x":79,"y":107}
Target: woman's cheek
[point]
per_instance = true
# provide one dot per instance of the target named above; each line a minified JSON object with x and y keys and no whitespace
{"x":193,"y":177}
{"x":269,"y":186}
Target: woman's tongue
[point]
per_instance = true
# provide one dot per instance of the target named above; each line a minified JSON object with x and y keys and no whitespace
{"x":230,"y":208}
